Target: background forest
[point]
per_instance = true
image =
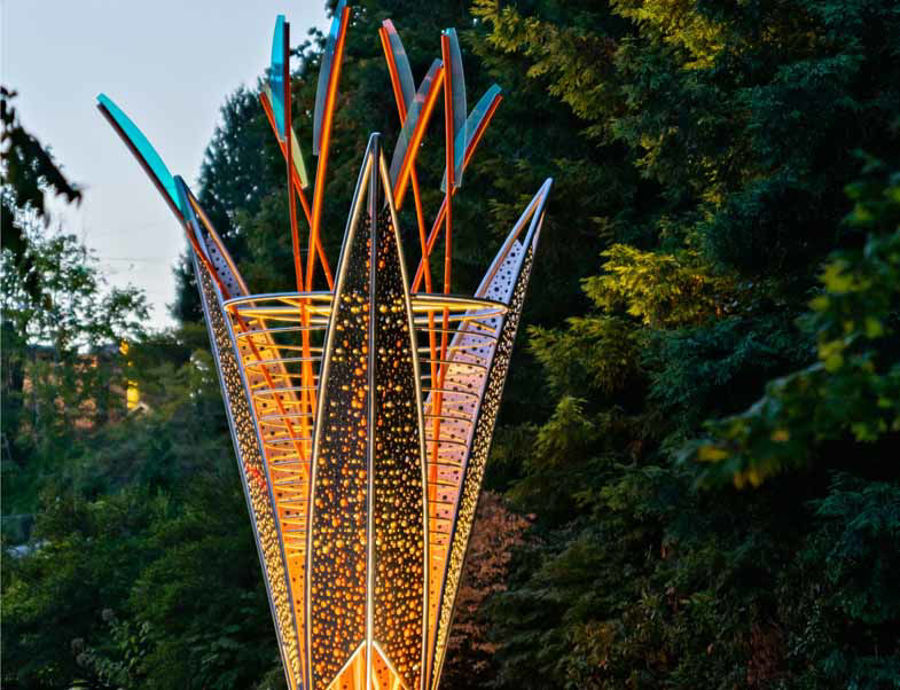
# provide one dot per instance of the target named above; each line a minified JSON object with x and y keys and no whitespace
{"x":695,"y":481}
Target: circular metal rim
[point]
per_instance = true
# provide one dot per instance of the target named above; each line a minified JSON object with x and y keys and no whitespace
{"x":319,"y":306}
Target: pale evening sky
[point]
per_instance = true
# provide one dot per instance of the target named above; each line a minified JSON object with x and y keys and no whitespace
{"x":169,"y":64}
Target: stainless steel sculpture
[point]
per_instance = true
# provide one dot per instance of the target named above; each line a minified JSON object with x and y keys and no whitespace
{"x":361,"y":415}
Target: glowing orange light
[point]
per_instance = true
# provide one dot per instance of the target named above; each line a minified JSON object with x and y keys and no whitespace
{"x":415,"y":139}
{"x":322,"y":166}
{"x":298,"y":187}
{"x":439,"y":219}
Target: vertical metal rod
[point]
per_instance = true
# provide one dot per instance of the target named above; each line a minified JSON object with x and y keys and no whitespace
{"x":325,"y":144}
{"x":295,"y":233}
{"x":448,"y":250}
{"x":298,"y":186}
{"x":470,"y":151}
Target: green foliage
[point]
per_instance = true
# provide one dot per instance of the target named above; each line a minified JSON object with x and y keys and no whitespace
{"x":63,"y":302}
{"x":58,"y":320}
{"x":853,"y":389}
{"x":140,"y":570}
{"x":662,"y":290}
{"x":29,"y":172}
{"x":61,"y":329}
{"x":77,"y":545}
{"x":592,"y":353}
{"x":735,"y":128}
{"x":142,"y":550}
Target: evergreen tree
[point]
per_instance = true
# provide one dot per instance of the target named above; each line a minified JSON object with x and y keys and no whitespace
{"x":741,"y":123}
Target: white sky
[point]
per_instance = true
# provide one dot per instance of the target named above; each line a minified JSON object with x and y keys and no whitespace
{"x":169,"y":65}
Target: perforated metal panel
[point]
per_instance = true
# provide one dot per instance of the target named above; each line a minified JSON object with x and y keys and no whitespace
{"x":253,"y":472}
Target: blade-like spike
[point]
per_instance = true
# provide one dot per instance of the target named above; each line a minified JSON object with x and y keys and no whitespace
{"x":142,"y":148}
{"x":414,"y":127}
{"x":399,"y":510}
{"x":532,"y":215}
{"x":401,"y":63}
{"x":506,"y":281}
{"x":368,"y":464}
{"x":325,"y":76}
{"x":337,"y":584}
{"x":458,"y":81}
{"x":475,"y":124}
{"x":248,"y":446}
{"x":276,"y":75}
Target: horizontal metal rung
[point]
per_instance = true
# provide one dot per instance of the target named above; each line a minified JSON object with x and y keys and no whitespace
{"x":454,"y":465}
{"x":450,"y":391}
{"x":489,"y":336}
{"x":273,"y":441}
{"x":293,"y":415}
{"x":285,"y":389}
{"x":453,"y":418}
{"x":446,"y":441}
{"x":278,"y":329}
{"x":452,"y":363}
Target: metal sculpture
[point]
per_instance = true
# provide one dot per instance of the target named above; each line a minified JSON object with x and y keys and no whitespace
{"x":361,"y":415}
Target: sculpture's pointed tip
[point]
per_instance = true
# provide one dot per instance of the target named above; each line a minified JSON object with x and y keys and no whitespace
{"x":374,"y":143}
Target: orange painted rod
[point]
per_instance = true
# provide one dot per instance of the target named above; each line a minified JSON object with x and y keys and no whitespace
{"x":438,"y":221}
{"x":298,"y":186}
{"x":295,"y":232}
{"x":412,"y":150}
{"x":448,"y":244}
{"x":401,"y":111}
{"x":417,"y":198}
{"x":325,"y":143}
{"x":449,"y":137}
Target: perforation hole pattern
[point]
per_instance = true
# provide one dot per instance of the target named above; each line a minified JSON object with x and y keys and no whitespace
{"x":338,"y":565}
{"x":252,"y":471}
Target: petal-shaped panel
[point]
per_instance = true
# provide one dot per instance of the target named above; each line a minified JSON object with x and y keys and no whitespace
{"x":367,"y":578}
{"x":474,"y":380}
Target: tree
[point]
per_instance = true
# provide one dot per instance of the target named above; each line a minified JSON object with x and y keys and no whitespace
{"x":739,"y":125}
{"x":29,"y":174}
{"x":497,"y":532}
{"x":57,"y":316}
{"x":853,"y":388}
